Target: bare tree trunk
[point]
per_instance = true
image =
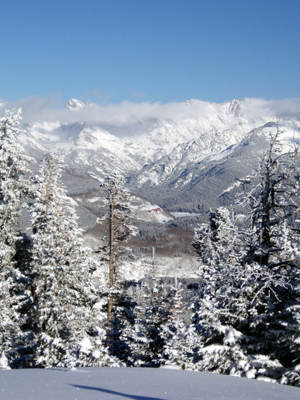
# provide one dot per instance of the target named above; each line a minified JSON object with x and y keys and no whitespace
{"x":48,"y":187}
{"x":111,"y":242}
{"x":111,"y":261}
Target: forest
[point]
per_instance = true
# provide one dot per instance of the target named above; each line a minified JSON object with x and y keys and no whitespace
{"x":242,"y":318}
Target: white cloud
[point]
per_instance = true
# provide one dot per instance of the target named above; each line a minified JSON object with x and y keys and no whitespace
{"x":289,"y":108}
{"x":36,"y":109}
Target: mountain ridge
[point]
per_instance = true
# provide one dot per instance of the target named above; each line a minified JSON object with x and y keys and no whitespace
{"x":169,"y":161}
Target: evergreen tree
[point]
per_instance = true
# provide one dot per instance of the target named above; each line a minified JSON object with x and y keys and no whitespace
{"x":120,"y":231}
{"x":273,"y":200}
{"x":217,"y":244}
{"x":157,"y":334}
{"x":15,"y":341}
{"x":144,"y":336}
{"x":247,"y":313}
{"x":273,"y":242}
{"x":219,"y":250}
{"x":123,"y":323}
{"x":67,"y":325}
{"x":180,"y":338}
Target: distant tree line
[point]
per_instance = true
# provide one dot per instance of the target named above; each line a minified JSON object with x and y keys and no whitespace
{"x":150,"y":230}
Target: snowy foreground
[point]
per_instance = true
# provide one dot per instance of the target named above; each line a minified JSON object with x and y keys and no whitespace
{"x":134,"y":383}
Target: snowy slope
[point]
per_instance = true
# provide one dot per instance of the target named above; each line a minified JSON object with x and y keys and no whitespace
{"x":136,"y":384}
{"x":141,"y":209}
{"x":185,"y":180}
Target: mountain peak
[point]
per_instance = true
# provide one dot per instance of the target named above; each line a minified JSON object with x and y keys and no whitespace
{"x":235,"y":106}
{"x":76,"y":105}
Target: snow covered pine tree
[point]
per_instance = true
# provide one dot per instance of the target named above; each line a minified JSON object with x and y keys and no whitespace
{"x":67,"y":326}
{"x":15,"y":341}
{"x":218,"y":246}
{"x":273,"y":243}
{"x":248,"y":317}
{"x":120,"y":230}
{"x":143,"y":337}
{"x":179,"y":338}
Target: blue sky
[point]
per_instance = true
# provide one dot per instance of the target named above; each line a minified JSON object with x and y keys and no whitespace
{"x":108,"y":51}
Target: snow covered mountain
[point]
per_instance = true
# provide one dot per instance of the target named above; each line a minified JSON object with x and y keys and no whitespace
{"x":187,"y":180}
{"x":185,"y":163}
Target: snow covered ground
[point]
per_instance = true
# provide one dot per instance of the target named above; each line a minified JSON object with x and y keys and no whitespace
{"x":136,"y":384}
{"x":184,"y":214}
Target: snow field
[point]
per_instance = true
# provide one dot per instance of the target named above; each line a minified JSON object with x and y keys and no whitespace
{"x":136,"y":384}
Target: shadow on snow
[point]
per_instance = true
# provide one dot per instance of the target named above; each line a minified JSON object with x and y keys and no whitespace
{"x":130,"y":396}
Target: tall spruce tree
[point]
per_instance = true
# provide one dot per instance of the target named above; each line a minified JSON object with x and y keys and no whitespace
{"x":15,"y":340}
{"x":68,"y":328}
{"x":143,"y":336}
{"x":120,"y":230}
{"x":219,"y":250}
{"x":179,"y":336}
{"x":273,"y":202}
{"x":248,"y":311}
{"x":273,"y":241}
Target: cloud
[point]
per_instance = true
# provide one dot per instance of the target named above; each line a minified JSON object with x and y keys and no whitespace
{"x":125,"y":114}
{"x":289,"y":108}
{"x":36,"y":109}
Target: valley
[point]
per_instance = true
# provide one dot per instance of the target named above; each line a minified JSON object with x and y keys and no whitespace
{"x":190,"y":163}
